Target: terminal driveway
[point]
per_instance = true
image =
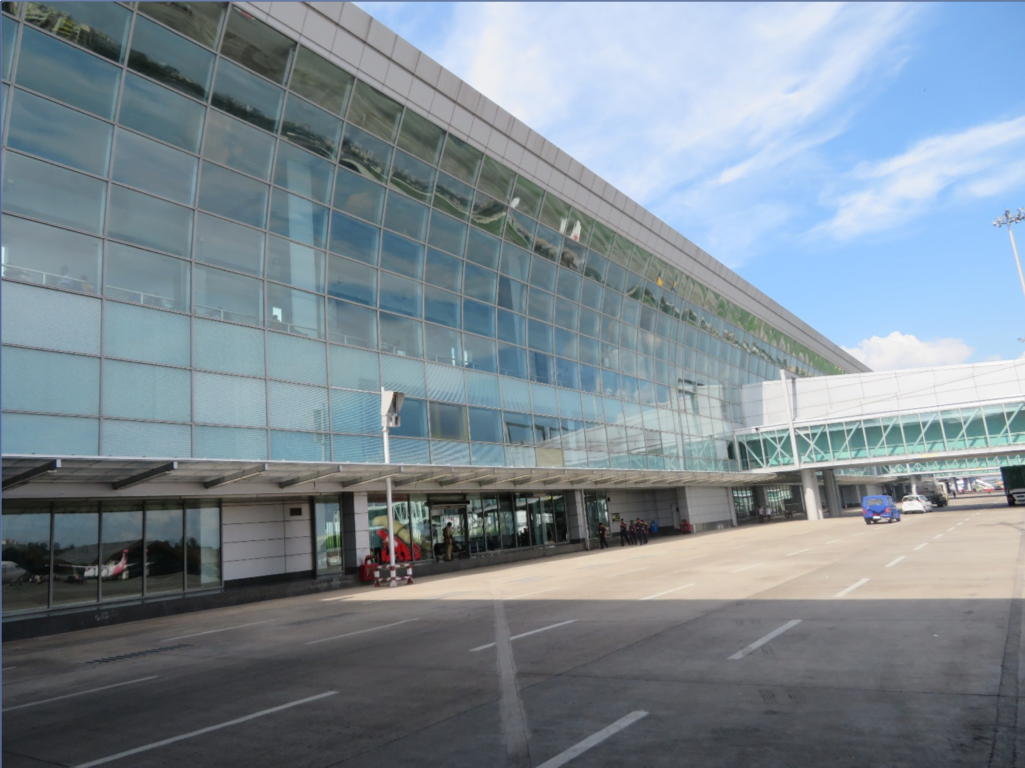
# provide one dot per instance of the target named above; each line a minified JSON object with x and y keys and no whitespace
{"x":787,"y":644}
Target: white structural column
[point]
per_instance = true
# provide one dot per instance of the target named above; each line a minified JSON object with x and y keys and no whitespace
{"x":833,"y":499}
{"x":812,"y":502}
{"x":356,"y":525}
{"x":577,"y":514}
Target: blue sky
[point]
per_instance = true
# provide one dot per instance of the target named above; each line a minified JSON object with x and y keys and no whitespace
{"x":846,"y":159}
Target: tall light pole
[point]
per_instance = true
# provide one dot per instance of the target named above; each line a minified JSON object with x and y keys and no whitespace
{"x":1008,"y":220}
{"x":391,"y":404}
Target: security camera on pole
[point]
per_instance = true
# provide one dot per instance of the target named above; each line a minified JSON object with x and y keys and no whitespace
{"x":391,"y":404}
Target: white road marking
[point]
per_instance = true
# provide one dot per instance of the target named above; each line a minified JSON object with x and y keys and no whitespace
{"x":797,"y":552}
{"x":592,"y":741}
{"x":754,"y":565}
{"x":961,"y":523}
{"x":513,"y":717}
{"x":213,"y":631}
{"x":528,"y":578}
{"x":950,"y":529}
{"x":333,"y":599}
{"x":921,"y":545}
{"x":851,"y":588}
{"x":80,"y":693}
{"x":674,"y":589}
{"x":938,"y":536}
{"x":861,"y":534}
{"x":890,"y":565}
{"x":763,"y":640}
{"x":525,"y":634}
{"x":201,"y":731}
{"x":7,"y":668}
{"x":633,"y":570}
{"x":360,"y":632}
{"x":517,"y":597}
{"x":683,"y":560}
{"x":834,"y":541}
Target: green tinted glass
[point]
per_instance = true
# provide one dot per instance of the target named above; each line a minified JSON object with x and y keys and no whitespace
{"x":495,"y":179}
{"x":529,"y":196}
{"x":320,"y":81}
{"x":199,"y":21}
{"x":420,"y":137}
{"x":461,"y":160}
{"x":372,"y":110}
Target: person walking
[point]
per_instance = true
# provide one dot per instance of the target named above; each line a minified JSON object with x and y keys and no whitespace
{"x":633,"y":532}
{"x":602,"y":531}
{"x":653,"y":527}
{"x":622,"y":533}
{"x":449,"y":541}
{"x":642,"y":531}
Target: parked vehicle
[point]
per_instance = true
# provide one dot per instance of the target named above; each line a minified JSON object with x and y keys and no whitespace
{"x":934,"y":490}
{"x":913,"y":505}
{"x":877,"y":509}
{"x":1014,"y":485}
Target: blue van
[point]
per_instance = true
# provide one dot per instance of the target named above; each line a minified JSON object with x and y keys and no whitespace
{"x":877,"y":509}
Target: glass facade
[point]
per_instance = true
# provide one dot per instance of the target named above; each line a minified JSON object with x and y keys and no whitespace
{"x":296,"y":239}
{"x":62,"y":554}
{"x":955,"y":429}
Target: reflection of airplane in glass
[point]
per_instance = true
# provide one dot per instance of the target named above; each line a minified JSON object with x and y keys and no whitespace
{"x":402,"y":543}
{"x":108,"y":571}
{"x":12,"y":572}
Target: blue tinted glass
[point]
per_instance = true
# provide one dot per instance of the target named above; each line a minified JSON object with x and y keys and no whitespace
{"x":512,"y":295}
{"x":352,"y":281}
{"x":483,"y":249}
{"x":541,"y":305}
{"x":292,"y":359}
{"x":540,"y":336}
{"x":566,"y":373}
{"x":72,"y":76}
{"x":512,"y":361}
{"x":401,"y":335}
{"x":406,"y":217}
{"x":480,"y":354}
{"x":567,"y":315}
{"x":295,"y":264}
{"x":401,"y":255}
{"x":59,"y":258}
{"x":479,"y":318}
{"x":135,"y":391}
{"x":359,"y":196}
{"x":149,"y":222}
{"x":10,"y":34}
{"x":447,"y":233}
{"x":590,"y":379}
{"x":38,"y":381}
{"x":542,"y":368}
{"x":99,"y":27}
{"x":441,"y":307}
{"x":299,"y":446}
{"x":226,"y":296}
{"x":590,"y":351}
{"x":146,"y":278}
{"x":443,"y":270}
{"x":485,"y":425}
{"x":237,"y":145}
{"x":258,"y":46}
{"x":233,"y":195}
{"x":443,"y":345}
{"x":414,"y":419}
{"x":303,"y":173}
{"x":480,"y":283}
{"x":298,"y":219}
{"x":565,"y":343}
{"x":228,"y":348}
{"x":355,"y":369}
{"x":170,"y":59}
{"x":413,"y":177}
{"x":543,"y":273}
{"x":40,"y":127}
{"x":398,"y":294}
{"x":294,"y":311}
{"x":154,"y":167}
{"x":351,"y":324}
{"x":246,"y":96}
{"x":66,"y":435}
{"x":515,"y":262}
{"x":453,"y":197}
{"x":311,"y":127}
{"x":364,"y":154}
{"x":151,"y":109}
{"x":229,"y":245}
{"x":512,"y":327}
{"x":47,"y":192}
{"x":230,"y":443}
{"x":353,"y":238}
{"x":129,"y":331}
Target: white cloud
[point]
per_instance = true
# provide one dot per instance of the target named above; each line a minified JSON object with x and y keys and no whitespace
{"x":899,"y":350}
{"x":983,"y":161}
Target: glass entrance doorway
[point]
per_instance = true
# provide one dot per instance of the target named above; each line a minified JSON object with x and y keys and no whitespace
{"x":441,"y":516}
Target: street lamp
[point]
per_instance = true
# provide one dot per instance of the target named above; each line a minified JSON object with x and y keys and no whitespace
{"x":1007,"y":221}
{"x":391,"y":404}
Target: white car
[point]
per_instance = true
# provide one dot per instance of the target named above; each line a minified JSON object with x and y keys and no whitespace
{"x":911,"y":505}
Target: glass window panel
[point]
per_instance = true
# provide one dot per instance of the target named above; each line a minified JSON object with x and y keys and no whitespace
{"x":483,"y":249}
{"x":448,"y":422}
{"x":540,"y":305}
{"x":542,"y":367}
{"x":230,"y":443}
{"x":547,"y":243}
{"x":403,"y":375}
{"x":520,"y":230}
{"x":412,"y":177}
{"x":149,"y":222}
{"x":512,"y":361}
{"x":355,"y":369}
{"x":443,"y":345}
{"x":512,"y":328}
{"x":226,"y":296}
{"x":39,"y":381}
{"x":573,"y":255}
{"x":482,"y":389}
{"x":351,"y":324}
{"x":555,"y":213}
{"x":566,"y":373}
{"x":246,"y":96}
{"x":442,"y":307}
{"x":406,"y":216}
{"x":397,"y":294}
{"x":615,"y":277}
{"x":401,"y":255}
{"x":320,"y":81}
{"x":24,"y":434}
{"x":348,"y":280}
{"x":298,"y":219}
{"x":26,"y":527}
{"x":294,"y":406}
{"x":135,"y":391}
{"x":228,"y":245}
{"x":512,"y":294}
{"x":170,"y":59}
{"x":480,"y":354}
{"x":479,"y":318}
{"x":29,"y":315}
{"x":414,"y":419}
{"x":203,"y":543}
{"x":453,"y":197}
{"x":10,"y":34}
{"x":421,"y":137}
{"x":151,"y":109}
{"x":257,"y":46}
{"x":527,"y":197}
{"x":366,"y":155}
{"x":295,"y":264}
{"x":358,"y":412}
{"x":443,"y":270}
{"x":294,"y":311}
{"x":360,"y":450}
{"x":480,"y":283}
{"x":199,"y":21}
{"x":294,"y":359}
{"x":219,"y":399}
{"x":146,"y":278}
{"x":233,"y":195}
{"x":122,"y":543}
{"x":100,"y":28}
{"x":44,"y":191}
{"x":154,"y":167}
{"x":543,"y":273}
{"x":353,"y":238}
{"x":445,"y":382}
{"x":238,"y":145}
{"x":519,"y":429}
{"x":359,"y":196}
{"x":377,"y":113}
{"x":540,"y":336}
{"x":569,"y":285}
{"x":49,"y":256}
{"x":311,"y":127}
{"x":228,"y":348}
{"x":165,"y":548}
{"x":128,"y":331}
{"x":485,"y":425}
{"x":461,"y":160}
{"x":447,"y":233}
{"x":566,"y":343}
{"x":488,"y":214}
{"x":401,"y":335}
{"x":515,"y":262}
{"x":72,"y":76}
{"x":40,"y":127}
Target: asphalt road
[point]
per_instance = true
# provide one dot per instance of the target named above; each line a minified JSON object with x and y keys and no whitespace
{"x":787,"y":644}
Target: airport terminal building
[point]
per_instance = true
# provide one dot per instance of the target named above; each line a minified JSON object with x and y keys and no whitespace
{"x":226,"y":227}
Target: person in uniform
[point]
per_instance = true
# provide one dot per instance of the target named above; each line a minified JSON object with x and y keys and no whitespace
{"x":449,"y":541}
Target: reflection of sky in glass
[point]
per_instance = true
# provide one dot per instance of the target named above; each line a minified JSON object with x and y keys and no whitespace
{"x":75,"y":530}
{"x":164,"y":525}
{"x":122,"y":526}
{"x":25,"y":529}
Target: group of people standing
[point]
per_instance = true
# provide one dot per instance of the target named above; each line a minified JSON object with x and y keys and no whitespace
{"x":635,"y":532}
